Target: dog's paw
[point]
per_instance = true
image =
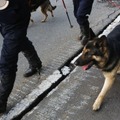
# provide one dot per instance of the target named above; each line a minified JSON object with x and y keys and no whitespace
{"x":42,"y":21}
{"x":97,"y":103}
{"x":96,"y":106}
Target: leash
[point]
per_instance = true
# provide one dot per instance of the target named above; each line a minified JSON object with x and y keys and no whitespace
{"x":67,"y":14}
{"x":64,"y":5}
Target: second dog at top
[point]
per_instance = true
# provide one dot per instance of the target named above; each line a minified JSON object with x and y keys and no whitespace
{"x":45,"y":7}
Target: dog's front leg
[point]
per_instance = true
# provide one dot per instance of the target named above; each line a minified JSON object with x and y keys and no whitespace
{"x":109,"y":80}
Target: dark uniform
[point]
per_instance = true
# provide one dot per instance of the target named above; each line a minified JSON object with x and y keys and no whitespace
{"x":14,"y":22}
{"x":82,"y":8}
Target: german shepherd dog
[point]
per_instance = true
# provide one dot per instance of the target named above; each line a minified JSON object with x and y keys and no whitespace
{"x":45,"y":7}
{"x":104,"y":53}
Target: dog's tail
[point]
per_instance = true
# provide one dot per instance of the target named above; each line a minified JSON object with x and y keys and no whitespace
{"x":54,"y":7}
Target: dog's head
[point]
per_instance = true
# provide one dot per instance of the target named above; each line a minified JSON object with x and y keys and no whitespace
{"x":94,"y":52}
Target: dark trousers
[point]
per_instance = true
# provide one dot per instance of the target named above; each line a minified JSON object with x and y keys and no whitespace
{"x":82,"y":8}
{"x":15,"y":41}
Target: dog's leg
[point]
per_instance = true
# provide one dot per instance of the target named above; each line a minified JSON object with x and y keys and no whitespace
{"x":45,"y":13}
{"x":50,"y":9}
{"x":109,"y":80}
{"x":45,"y":18}
{"x":51,"y":13}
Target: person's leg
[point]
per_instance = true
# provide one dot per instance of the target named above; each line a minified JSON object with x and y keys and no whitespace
{"x":83,"y":11}
{"x":28,"y":50}
{"x":8,"y":65}
{"x":6,"y":86}
{"x":31,"y":55}
{"x":75,"y":7}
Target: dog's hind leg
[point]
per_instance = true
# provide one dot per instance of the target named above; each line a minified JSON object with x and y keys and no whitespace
{"x":51,"y":11}
{"x":45,"y":15}
{"x":109,"y":80}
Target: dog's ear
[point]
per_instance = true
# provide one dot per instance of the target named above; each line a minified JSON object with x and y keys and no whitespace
{"x":103,"y":37}
{"x":102,"y":41}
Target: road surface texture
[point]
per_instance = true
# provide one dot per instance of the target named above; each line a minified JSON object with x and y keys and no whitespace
{"x":56,"y":44}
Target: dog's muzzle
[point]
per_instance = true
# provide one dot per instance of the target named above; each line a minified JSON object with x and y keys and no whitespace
{"x":85,"y":66}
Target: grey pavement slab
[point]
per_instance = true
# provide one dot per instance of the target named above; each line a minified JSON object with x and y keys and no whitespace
{"x":74,"y":97}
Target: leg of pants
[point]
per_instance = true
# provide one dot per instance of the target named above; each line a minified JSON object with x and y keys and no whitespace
{"x":31,"y":55}
{"x":14,"y":36}
{"x":8,"y":67}
{"x":82,"y":8}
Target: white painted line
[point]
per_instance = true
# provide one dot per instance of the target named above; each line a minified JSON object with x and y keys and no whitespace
{"x":111,"y":26}
{"x":73,"y":61}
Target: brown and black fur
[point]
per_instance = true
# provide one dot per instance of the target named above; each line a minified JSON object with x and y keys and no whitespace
{"x":103,"y":52}
{"x":45,"y":7}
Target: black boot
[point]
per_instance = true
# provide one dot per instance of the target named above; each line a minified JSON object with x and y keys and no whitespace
{"x":6,"y":86}
{"x":87,"y":34}
{"x":34,"y":61}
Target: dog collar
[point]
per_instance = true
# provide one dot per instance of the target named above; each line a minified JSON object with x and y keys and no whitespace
{"x":3,"y":4}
